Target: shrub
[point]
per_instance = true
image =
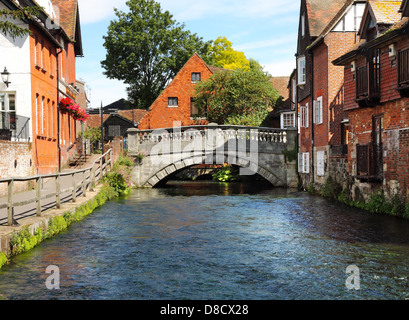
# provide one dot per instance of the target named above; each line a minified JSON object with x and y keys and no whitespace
{"x":227,"y":174}
{"x":117,"y":181}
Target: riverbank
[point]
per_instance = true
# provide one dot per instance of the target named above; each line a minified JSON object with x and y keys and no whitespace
{"x":34,"y":230}
{"x":376,"y":202}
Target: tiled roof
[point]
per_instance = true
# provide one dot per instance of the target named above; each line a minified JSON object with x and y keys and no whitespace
{"x":68,"y":16}
{"x":135,"y":115}
{"x":281,"y":85}
{"x":320,"y":14}
{"x":386,"y":12}
{"x":94,"y":120}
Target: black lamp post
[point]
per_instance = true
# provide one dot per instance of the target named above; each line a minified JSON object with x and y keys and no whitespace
{"x":5,"y":76}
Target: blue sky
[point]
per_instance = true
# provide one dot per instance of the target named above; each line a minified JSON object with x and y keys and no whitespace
{"x":265,"y":30}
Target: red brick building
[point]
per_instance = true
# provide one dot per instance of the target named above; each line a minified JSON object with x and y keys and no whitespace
{"x":69,"y":37}
{"x":376,"y":73}
{"x":42,"y":68}
{"x":326,"y":30}
{"x":175,"y":103}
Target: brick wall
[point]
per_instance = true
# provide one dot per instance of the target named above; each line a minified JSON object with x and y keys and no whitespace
{"x":160,"y":115}
{"x":15,"y":161}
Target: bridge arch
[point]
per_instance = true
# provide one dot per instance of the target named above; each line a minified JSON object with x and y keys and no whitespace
{"x":254,"y":150}
{"x":248,"y":167}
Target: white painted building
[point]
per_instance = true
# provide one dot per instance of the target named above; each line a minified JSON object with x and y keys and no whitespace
{"x":15,"y":99}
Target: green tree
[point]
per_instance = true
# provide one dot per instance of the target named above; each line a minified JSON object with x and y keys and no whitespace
{"x":239,"y":97}
{"x":8,"y":26}
{"x":223,"y":55}
{"x":94,"y":136}
{"x":146,"y":47}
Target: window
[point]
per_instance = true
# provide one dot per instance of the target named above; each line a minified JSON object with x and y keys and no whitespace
{"x":8,"y":111}
{"x":42,"y":55}
{"x":304,"y":116}
{"x":304,"y":162}
{"x":173,"y":102}
{"x":318,"y":111}
{"x":301,"y":71}
{"x":42,"y":115}
{"x":352,"y":19}
{"x":403,"y":69}
{"x":303,"y":25}
{"x":36,"y":52}
{"x":196,"y":77}
{"x":320,"y":163}
{"x":114,"y":131}
{"x":287,"y":120}
{"x":194,"y":110}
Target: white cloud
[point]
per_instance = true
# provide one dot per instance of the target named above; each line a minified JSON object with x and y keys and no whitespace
{"x":93,"y":11}
{"x":282,"y":68}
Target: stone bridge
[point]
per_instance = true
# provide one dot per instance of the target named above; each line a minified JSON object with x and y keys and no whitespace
{"x":270,"y":153}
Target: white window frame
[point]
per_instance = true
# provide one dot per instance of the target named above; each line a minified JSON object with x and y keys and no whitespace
{"x":283,"y":121}
{"x":303,"y":25}
{"x":304,"y":162}
{"x":173,"y":105}
{"x":304,"y":121}
{"x":194,"y":77}
{"x":318,"y":111}
{"x":301,"y":70}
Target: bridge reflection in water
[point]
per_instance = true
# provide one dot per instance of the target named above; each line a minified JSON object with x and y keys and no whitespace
{"x":255,"y":150}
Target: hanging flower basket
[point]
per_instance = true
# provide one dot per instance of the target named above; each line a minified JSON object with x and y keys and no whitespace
{"x":67,"y":106}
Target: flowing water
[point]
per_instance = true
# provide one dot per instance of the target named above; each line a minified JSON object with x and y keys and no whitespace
{"x":203,"y":240}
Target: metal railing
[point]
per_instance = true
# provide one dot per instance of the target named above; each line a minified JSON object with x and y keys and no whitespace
{"x":13,"y":126}
{"x":89,"y":177}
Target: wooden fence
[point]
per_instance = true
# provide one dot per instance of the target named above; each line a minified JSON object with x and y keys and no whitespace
{"x":88,"y":179}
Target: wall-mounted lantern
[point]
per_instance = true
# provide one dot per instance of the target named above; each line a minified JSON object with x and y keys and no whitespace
{"x":5,"y":76}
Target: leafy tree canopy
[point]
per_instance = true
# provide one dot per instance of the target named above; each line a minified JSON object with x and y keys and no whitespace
{"x":146,"y":47}
{"x":223,"y":55}
{"x":9,"y":28}
{"x":238,"y":97}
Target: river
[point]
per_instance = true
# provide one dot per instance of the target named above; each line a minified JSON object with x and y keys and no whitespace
{"x":203,"y":240}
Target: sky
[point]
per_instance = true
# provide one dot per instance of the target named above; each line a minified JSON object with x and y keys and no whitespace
{"x":265,"y":30}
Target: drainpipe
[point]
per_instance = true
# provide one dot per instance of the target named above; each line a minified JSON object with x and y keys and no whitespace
{"x":58,"y":109}
{"x":311,"y":53}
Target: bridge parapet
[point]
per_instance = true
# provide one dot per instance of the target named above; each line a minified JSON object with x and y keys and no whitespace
{"x":255,"y":149}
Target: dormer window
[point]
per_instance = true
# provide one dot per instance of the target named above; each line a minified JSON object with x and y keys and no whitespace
{"x":196,"y":77}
